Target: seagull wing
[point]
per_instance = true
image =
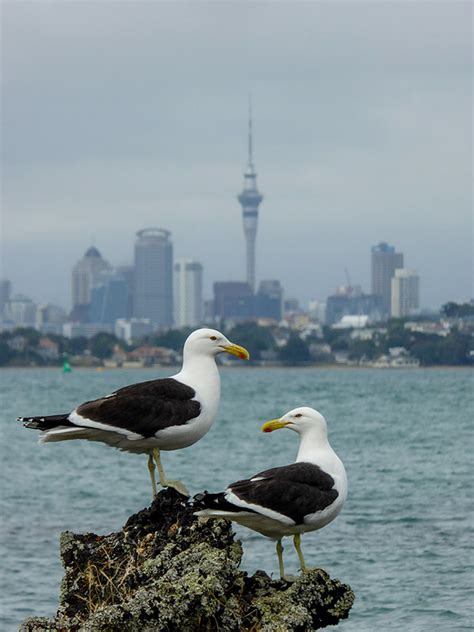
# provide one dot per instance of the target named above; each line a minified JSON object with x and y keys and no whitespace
{"x":143,"y":408}
{"x":294,"y":491}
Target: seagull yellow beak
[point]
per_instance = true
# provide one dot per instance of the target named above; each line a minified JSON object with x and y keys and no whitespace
{"x":274,"y":424}
{"x":238,"y":351}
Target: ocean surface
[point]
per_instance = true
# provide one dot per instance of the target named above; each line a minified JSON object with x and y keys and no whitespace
{"x":404,"y":540}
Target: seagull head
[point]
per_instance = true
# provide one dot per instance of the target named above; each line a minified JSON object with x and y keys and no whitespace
{"x":211,"y":342}
{"x":302,"y":420}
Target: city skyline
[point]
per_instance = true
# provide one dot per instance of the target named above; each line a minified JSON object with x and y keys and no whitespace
{"x":362,"y":124}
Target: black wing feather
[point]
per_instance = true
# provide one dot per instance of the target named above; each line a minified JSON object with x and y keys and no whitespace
{"x":145,"y":407}
{"x":293,"y":490}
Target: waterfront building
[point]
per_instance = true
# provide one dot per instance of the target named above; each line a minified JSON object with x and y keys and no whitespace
{"x":21,"y":310}
{"x":50,"y":319}
{"x":250,"y":199}
{"x":153,"y":281}
{"x":351,"y":301}
{"x":405,"y":293}
{"x":384,"y":261}
{"x":133,"y":329}
{"x":187,"y":293}
{"x":87,"y":330}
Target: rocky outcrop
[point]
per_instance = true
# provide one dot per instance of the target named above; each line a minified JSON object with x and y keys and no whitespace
{"x":166,"y":570}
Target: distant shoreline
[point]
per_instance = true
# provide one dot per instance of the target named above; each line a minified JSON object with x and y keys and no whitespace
{"x":338,"y":367}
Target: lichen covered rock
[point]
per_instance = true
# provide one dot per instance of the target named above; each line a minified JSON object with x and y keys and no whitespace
{"x":166,"y":570}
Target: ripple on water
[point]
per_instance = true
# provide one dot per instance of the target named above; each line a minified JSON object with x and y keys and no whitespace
{"x":403,"y":541}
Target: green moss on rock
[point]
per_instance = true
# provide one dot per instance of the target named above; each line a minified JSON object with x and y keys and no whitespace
{"x":166,"y":571}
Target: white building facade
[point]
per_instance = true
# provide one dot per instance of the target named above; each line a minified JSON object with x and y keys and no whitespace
{"x":405,"y":293}
{"x":187,"y":293}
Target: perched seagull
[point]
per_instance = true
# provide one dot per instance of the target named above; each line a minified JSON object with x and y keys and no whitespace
{"x":288,"y":500}
{"x":165,"y":414}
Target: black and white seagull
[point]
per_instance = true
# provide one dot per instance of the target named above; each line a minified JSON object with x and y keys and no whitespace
{"x":290,"y":500}
{"x":165,"y":414}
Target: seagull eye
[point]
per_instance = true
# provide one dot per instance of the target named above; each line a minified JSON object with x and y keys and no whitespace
{"x":298,"y":415}
{"x":213,"y":337}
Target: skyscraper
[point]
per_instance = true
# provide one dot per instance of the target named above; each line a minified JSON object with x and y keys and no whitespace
{"x":233,"y":300}
{"x":84,"y":277}
{"x":269,"y":299}
{"x":5,"y":293}
{"x":250,"y":199}
{"x":109,"y":299}
{"x":384,"y":263}
{"x":405,"y":293}
{"x":153,"y":285}
{"x":187,"y":292}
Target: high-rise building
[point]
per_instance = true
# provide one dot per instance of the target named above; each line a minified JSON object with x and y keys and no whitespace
{"x":109,"y":299}
{"x":269,"y":300}
{"x":250,"y":199}
{"x":187,"y":293}
{"x":405,"y":293}
{"x":5,"y":294}
{"x":128,"y":274}
{"x":384,"y":263}
{"x":84,"y":277}
{"x":233,"y":300}
{"x":153,"y":285}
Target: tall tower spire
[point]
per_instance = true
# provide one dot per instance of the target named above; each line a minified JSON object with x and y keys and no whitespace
{"x":250,"y":135}
{"x":250,"y":199}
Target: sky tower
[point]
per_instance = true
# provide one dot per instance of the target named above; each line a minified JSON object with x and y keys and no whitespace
{"x":250,"y":199}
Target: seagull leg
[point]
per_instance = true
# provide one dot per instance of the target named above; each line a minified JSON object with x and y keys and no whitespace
{"x":177,"y":485}
{"x":279,"y":548}
{"x":297,"y":543}
{"x":151,"y":469}
{"x":286,"y":578}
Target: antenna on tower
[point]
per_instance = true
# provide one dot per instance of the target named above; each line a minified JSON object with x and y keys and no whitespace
{"x":250,"y":133}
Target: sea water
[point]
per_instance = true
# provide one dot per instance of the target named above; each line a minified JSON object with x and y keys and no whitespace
{"x":403,"y":541}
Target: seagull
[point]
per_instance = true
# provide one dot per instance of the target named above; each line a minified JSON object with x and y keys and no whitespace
{"x":290,"y":500}
{"x":165,"y":414}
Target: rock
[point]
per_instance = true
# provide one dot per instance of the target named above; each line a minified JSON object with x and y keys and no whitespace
{"x":167,"y":570}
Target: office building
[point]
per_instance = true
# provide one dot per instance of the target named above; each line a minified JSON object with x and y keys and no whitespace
{"x":133,"y":329}
{"x":21,"y":311}
{"x":84,"y":277}
{"x":187,"y":293}
{"x":127,"y":273}
{"x":384,"y":262}
{"x":250,"y":199}
{"x":233,"y":300}
{"x":5,"y":294}
{"x":405,"y":293}
{"x":269,"y":300}
{"x":109,"y":299}
{"x":153,"y":281}
{"x":351,"y":301}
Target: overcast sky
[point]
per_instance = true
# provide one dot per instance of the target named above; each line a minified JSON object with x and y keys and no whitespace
{"x":119,"y":116}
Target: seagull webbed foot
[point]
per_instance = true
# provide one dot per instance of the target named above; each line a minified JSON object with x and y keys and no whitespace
{"x":178,"y":486}
{"x":291,"y":579}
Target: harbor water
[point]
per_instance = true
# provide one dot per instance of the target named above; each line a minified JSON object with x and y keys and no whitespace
{"x":403,"y":541}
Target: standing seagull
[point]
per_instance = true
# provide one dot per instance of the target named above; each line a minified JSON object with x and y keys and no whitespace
{"x":165,"y":414}
{"x":288,"y":500}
